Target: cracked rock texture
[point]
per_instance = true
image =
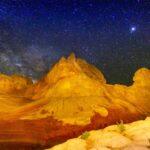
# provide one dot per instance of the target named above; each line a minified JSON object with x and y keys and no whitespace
{"x":133,"y":136}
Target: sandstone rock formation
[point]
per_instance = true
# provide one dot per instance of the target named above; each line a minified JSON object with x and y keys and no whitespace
{"x":71,"y":98}
{"x":133,"y":136}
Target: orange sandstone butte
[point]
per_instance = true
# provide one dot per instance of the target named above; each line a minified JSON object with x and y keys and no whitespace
{"x":71,"y":98}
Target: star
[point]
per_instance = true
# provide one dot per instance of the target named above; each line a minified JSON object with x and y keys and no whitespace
{"x":132,"y":29}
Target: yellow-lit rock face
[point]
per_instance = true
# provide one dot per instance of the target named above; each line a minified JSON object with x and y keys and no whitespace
{"x":139,"y":92}
{"x":13,"y":83}
{"x":69,"y":77}
{"x":70,"y":87}
{"x":75,"y":110}
{"x":135,"y":136}
{"x":70,"y":66}
{"x":73,"y":97}
{"x":11,"y":92}
{"x":74,"y":91}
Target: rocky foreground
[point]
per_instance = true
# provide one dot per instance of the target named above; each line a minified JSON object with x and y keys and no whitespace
{"x":133,"y":136}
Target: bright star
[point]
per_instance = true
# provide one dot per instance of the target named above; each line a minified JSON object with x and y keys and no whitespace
{"x":132,"y":29}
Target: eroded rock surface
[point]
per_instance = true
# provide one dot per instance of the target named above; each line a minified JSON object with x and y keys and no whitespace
{"x":72,"y":98}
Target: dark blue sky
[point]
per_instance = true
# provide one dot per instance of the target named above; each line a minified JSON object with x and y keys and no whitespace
{"x":113,"y":35}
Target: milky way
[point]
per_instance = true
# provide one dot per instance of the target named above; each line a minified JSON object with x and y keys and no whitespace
{"x":113,"y":35}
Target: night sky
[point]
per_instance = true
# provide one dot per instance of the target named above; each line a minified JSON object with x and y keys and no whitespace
{"x":113,"y":35}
